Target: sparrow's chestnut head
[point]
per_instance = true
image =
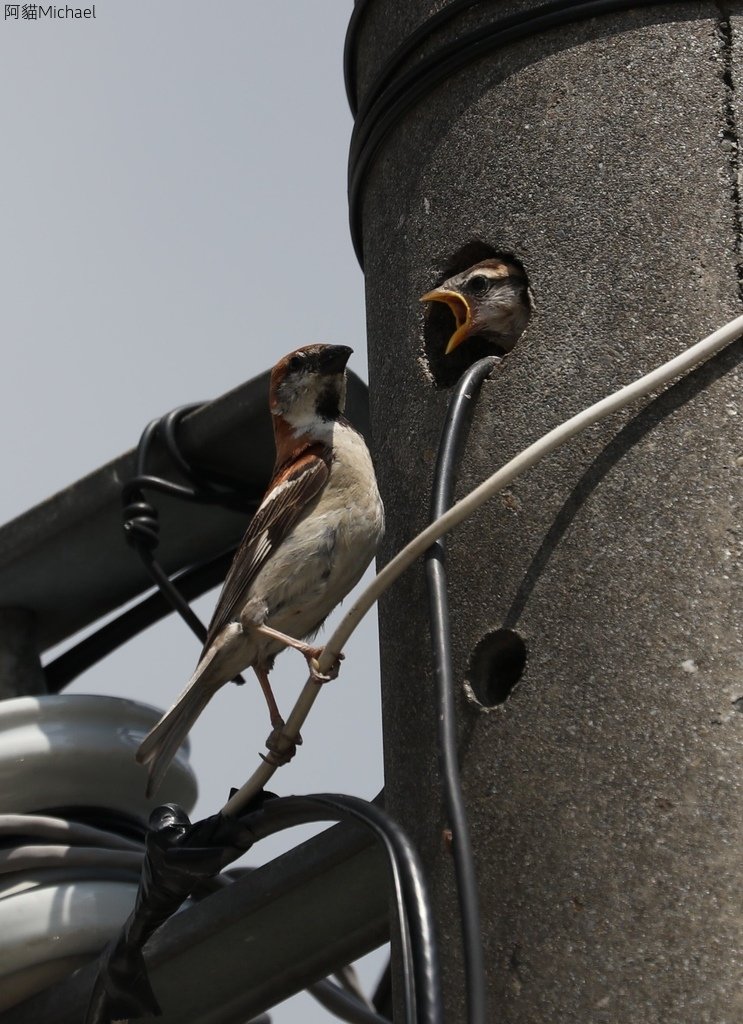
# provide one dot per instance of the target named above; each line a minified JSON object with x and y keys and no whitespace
{"x":309,"y":384}
{"x":490,"y":299}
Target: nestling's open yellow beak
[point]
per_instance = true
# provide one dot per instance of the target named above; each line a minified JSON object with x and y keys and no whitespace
{"x":461,"y":310}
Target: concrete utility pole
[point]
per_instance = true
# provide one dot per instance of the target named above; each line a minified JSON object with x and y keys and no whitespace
{"x":604,"y":792}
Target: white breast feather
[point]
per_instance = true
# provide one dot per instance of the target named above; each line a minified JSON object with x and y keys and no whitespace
{"x":309,"y":574}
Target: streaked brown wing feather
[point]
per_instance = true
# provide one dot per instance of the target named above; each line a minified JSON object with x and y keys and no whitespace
{"x":300,"y":482}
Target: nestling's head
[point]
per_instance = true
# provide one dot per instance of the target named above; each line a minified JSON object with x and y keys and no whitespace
{"x":309,"y":384}
{"x":490,"y":299}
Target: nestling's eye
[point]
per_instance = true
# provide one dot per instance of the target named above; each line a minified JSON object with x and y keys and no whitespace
{"x":296,"y":362}
{"x":478,"y":284}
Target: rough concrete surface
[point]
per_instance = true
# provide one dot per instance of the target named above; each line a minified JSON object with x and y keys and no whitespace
{"x":605,"y":794}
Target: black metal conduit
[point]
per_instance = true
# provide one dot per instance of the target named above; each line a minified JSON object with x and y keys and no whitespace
{"x":392,"y":95}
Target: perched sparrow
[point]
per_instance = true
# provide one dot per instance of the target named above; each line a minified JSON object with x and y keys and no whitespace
{"x":490,"y":299}
{"x":310,"y":541}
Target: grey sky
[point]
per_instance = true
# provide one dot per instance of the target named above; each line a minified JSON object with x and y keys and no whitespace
{"x":174,"y":219}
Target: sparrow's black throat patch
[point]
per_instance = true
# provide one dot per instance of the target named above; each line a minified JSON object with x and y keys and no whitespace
{"x":328,"y":404}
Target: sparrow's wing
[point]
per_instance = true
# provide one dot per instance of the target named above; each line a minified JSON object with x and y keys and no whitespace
{"x":293,"y":486}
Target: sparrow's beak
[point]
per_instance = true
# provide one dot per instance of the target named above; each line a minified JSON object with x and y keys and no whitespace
{"x":462,"y":314}
{"x":334,"y":358}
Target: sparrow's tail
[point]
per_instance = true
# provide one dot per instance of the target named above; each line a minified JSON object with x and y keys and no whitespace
{"x":159,"y":746}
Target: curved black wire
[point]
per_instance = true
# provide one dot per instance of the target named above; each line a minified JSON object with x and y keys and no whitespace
{"x":343,"y":1004}
{"x":141,"y":526}
{"x":423,"y":998}
{"x":391,"y":97}
{"x":349,"y":52}
{"x":382,"y":998}
{"x":405,"y":50}
{"x":171,"y":592}
{"x":467,"y":894}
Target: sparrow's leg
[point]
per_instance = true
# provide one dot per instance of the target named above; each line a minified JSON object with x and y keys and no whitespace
{"x":282,"y":748}
{"x":298,"y":645}
{"x":311,"y":654}
{"x":273,"y":709}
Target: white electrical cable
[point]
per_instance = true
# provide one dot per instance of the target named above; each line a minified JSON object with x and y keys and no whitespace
{"x":693,"y":356}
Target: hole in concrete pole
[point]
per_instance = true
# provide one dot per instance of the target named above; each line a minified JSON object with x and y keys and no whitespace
{"x":488,"y":307}
{"x":495,"y":666}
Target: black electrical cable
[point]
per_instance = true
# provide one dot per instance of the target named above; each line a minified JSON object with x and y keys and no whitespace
{"x":349,"y":52}
{"x":405,"y":50}
{"x":382,"y":997}
{"x":179,"y":603}
{"x":442,"y":497}
{"x":420,"y":958}
{"x":384,"y":109}
{"x":343,"y":1004}
{"x":141,"y":525}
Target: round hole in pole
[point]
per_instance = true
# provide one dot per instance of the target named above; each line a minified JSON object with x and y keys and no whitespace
{"x":495,"y":666}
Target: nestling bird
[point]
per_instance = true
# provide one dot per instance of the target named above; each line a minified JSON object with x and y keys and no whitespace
{"x":490,"y":299}
{"x":313,"y":535}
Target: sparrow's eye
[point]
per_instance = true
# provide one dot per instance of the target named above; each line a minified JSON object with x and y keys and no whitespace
{"x":478,"y":284}
{"x":296,"y":362}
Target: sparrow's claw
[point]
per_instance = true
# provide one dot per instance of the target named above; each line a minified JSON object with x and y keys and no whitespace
{"x":281,"y":747}
{"x":324,"y":677}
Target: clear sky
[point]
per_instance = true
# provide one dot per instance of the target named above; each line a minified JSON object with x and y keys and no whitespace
{"x":173,"y":220}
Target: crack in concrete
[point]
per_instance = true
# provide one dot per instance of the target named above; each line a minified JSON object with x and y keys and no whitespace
{"x":730,"y":132}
